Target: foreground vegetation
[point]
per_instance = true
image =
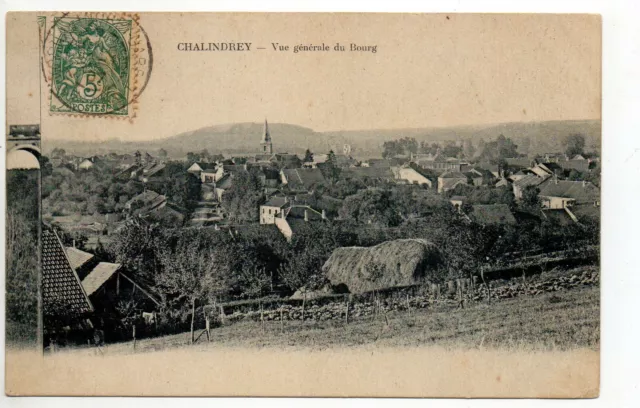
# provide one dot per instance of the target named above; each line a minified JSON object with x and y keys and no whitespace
{"x":550,"y":321}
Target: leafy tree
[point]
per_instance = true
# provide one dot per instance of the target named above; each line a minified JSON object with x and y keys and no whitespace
{"x":58,"y":152}
{"x":371,"y":207}
{"x":192,"y":271}
{"x":241,"y":201}
{"x":574,"y":144}
{"x":530,"y":199}
{"x":136,"y":247}
{"x":308,"y":156}
{"x":402,"y":146}
{"x":451,"y":150}
{"x":468,"y":149}
{"x":192,"y":157}
{"x":330,"y":170}
{"x":498,"y":150}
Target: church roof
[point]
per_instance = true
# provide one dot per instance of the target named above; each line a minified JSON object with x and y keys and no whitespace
{"x":266,"y":137}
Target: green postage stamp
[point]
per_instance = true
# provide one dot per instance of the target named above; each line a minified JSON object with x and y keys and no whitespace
{"x":91,"y":66}
{"x":95,"y":64}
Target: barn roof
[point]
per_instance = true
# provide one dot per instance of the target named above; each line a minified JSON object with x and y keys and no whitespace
{"x":77,"y":257}
{"x":98,"y":276}
{"x":60,"y":283}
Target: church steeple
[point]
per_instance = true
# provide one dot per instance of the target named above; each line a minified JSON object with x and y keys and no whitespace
{"x":265,"y":145}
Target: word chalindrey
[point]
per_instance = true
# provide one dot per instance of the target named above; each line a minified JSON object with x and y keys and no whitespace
{"x":274,"y":46}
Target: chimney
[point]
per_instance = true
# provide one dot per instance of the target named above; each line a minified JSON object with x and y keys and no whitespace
{"x":74,"y":243}
{"x":584,"y":183}
{"x":282,"y":214}
{"x":324,"y":215}
{"x":306,"y":216}
{"x":555,"y":178}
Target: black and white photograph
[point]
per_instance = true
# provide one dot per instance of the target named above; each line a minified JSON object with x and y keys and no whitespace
{"x":203,"y":188}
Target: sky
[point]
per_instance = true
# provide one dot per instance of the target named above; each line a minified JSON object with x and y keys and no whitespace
{"x":429,"y":71}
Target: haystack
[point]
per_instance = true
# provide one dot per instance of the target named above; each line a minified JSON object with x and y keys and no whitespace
{"x":400,"y":262}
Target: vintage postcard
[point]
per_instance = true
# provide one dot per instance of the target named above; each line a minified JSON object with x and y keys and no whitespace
{"x":291,"y":204}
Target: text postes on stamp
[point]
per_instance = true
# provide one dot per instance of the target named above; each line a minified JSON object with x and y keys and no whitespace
{"x":95,"y":64}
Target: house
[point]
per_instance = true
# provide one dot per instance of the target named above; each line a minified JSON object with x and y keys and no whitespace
{"x":449,"y":180}
{"x":301,"y":179}
{"x":579,"y":164}
{"x":317,"y":159}
{"x":234,"y":168}
{"x":197,"y":167}
{"x":518,"y":163}
{"x":375,"y":173}
{"x":287,"y":161}
{"x":565,"y":194}
{"x":440,"y":163}
{"x":492,"y":168}
{"x":410,"y":175}
{"x":541,"y":169}
{"x":457,"y":201}
{"x":520,"y":174}
{"x":529,"y":180}
{"x":211,"y":173}
{"x":206,"y":213}
{"x":479,"y":176}
{"x":503,"y":182}
{"x":294,"y":217}
{"x":492,"y":214}
{"x":553,"y":157}
{"x":130,"y":172}
{"x":272,"y":209}
{"x":87,"y":163}
{"x":155,"y":171}
{"x":222,"y":185}
{"x":145,"y":201}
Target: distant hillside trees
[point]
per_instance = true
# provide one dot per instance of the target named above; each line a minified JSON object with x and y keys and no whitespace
{"x":574,"y":144}
{"x":499,"y":149}
{"x":399,"y":147}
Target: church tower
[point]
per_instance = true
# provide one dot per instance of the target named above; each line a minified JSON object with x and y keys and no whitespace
{"x":266,"y":147}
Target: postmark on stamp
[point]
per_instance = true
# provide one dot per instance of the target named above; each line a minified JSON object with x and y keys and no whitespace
{"x":95,"y":64}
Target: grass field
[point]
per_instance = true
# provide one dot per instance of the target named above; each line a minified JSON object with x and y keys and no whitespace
{"x":551,"y":321}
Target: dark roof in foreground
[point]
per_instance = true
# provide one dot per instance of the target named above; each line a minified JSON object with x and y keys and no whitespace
{"x":61,"y":286}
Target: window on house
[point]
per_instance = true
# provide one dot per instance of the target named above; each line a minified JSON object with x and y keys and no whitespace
{"x":269,"y":211}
